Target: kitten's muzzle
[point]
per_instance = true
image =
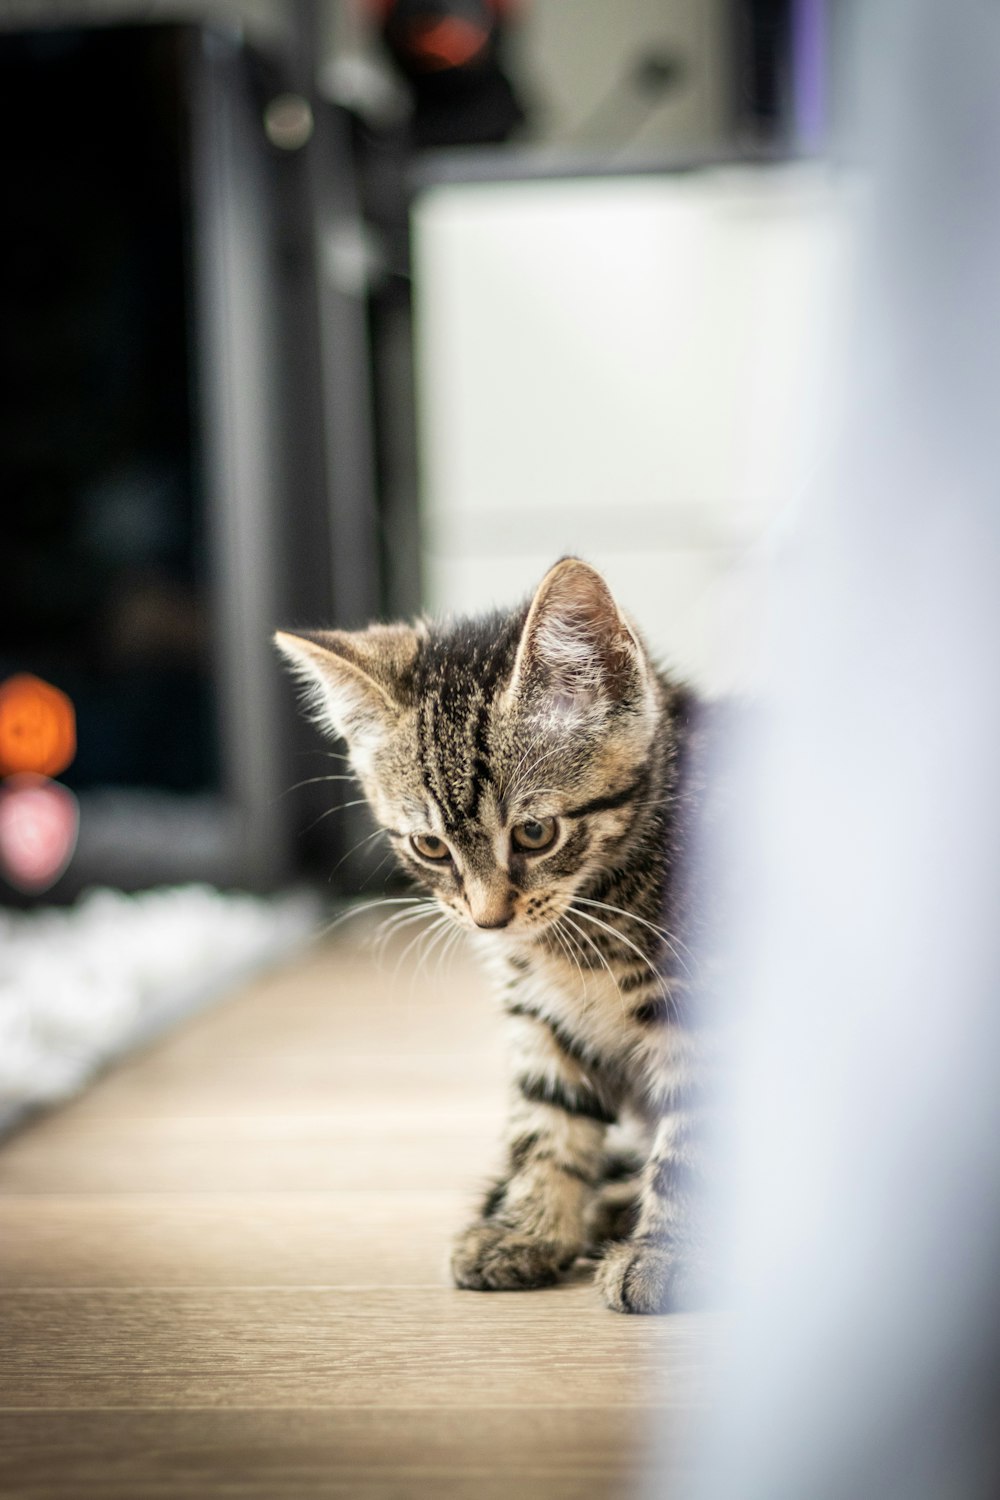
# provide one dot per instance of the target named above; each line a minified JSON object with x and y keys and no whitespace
{"x":490,"y":903}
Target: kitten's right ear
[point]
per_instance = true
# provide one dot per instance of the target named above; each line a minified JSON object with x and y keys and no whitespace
{"x":354,"y":680}
{"x":576,"y":644}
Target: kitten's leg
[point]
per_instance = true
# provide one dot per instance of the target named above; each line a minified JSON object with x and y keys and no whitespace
{"x":659,"y":1268}
{"x":531,"y":1226}
{"x":614,"y":1210}
{"x":613,"y":1216}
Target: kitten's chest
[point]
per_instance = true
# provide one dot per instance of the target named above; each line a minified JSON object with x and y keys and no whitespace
{"x":587,"y":1005}
{"x":592,"y":1020}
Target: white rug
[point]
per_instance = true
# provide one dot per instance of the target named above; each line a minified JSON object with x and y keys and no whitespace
{"x":81,"y":985}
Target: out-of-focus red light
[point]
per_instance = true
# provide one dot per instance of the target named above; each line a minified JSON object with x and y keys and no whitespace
{"x":450,"y":42}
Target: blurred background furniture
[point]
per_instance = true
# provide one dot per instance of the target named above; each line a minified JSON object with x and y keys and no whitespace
{"x":218,"y":417}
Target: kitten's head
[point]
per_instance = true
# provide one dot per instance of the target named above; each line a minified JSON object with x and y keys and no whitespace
{"x":505,"y":755}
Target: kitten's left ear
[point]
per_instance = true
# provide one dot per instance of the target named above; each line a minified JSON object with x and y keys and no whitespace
{"x":576,"y":644}
{"x":355,"y":680}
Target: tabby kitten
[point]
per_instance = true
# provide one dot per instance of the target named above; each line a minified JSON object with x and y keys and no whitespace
{"x":540,"y":777}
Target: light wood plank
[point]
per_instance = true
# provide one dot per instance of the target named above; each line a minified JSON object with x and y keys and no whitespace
{"x":228,"y":1239}
{"x":296,"y":1346}
{"x":301,"y":1079}
{"x":224,"y":1159}
{"x":541,"y":1453}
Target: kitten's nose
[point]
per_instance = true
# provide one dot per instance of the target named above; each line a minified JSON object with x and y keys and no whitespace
{"x":488,"y":906}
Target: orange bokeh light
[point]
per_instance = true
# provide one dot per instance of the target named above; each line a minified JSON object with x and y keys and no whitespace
{"x":37,"y":727}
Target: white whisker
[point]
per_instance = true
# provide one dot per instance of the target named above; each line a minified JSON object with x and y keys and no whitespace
{"x":313,"y":781}
{"x":424,"y":932}
{"x":339,"y":807}
{"x":668,"y":937}
{"x":387,"y":856}
{"x":379,"y":833}
{"x":586,"y":936}
{"x":356,"y":911}
{"x":448,"y":951}
{"x":394,"y":923}
{"x":589,"y":917}
{"x":442,"y":932}
{"x":577,"y":949}
{"x":427,"y":942}
{"x":563,"y":941}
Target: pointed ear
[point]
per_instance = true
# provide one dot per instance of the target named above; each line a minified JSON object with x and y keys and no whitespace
{"x":576,"y":645}
{"x":355,"y":681}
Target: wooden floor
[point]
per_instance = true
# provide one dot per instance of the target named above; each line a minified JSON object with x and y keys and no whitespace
{"x":222,"y":1272}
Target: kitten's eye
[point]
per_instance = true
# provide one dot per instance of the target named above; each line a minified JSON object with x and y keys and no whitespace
{"x":428,"y":846}
{"x":534,"y":835}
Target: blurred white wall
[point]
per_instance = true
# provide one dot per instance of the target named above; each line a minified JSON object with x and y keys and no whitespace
{"x":627,"y":368}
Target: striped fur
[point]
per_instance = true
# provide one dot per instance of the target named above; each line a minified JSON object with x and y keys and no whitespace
{"x":473,"y":738}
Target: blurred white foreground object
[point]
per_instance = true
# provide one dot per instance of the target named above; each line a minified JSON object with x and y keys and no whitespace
{"x":864,"y":1227}
{"x":80,"y":985}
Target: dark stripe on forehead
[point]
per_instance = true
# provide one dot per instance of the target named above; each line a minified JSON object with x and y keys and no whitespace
{"x":425,"y":738}
{"x":459,"y":675}
{"x":444,"y":771}
{"x":608,"y":804}
{"x":481,"y":776}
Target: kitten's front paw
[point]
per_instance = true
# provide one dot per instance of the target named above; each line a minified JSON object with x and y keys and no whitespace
{"x":639,"y":1277}
{"x":493,"y":1258}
